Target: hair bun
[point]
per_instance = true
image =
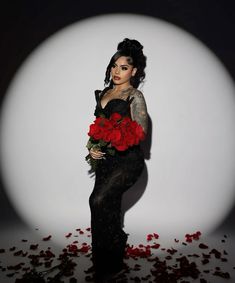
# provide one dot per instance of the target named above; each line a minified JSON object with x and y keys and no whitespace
{"x":131,"y":45}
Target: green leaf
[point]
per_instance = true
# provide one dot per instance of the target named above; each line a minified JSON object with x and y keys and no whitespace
{"x":111,"y":151}
{"x":89,"y":144}
{"x":102,"y":143}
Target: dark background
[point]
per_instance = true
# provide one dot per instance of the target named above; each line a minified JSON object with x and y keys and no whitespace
{"x":24,"y":24}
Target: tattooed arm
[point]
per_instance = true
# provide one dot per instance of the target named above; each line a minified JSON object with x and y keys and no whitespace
{"x":139,"y":110}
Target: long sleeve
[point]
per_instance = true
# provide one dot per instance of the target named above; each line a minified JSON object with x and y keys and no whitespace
{"x":139,"y":110}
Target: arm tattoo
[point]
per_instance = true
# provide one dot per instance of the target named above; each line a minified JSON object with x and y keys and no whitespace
{"x":139,"y":110}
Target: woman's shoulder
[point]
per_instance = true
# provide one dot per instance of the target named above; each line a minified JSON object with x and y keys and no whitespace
{"x":136,"y":93}
{"x":99,"y":93}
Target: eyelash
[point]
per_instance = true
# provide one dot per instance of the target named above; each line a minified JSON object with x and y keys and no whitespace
{"x":123,"y":68}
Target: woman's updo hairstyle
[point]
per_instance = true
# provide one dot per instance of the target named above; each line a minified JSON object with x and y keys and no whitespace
{"x":132,"y":49}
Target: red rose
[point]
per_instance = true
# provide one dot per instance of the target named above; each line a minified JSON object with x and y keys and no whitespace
{"x":140,"y":132}
{"x":117,"y":131}
{"x":120,"y":145}
{"x":115,"y":117}
{"x":115,"y":136}
{"x":126,"y":121}
{"x":93,"y":129}
{"x":107,"y":130}
{"x":95,"y":132}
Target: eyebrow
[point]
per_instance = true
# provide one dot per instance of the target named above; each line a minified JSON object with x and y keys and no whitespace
{"x":122,"y":65}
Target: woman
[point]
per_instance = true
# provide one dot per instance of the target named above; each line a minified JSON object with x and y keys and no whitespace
{"x":115,"y":174}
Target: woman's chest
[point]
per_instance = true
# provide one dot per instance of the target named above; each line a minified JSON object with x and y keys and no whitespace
{"x":109,"y":97}
{"x":116,"y":105}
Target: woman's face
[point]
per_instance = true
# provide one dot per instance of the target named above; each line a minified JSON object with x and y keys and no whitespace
{"x":122,"y":72}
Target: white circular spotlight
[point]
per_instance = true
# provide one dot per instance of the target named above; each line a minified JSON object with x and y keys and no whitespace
{"x":49,"y":106}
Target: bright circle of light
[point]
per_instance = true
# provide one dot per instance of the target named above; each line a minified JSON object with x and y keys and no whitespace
{"x":49,"y":106}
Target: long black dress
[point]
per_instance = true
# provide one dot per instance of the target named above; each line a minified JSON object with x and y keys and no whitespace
{"x":114,"y":175}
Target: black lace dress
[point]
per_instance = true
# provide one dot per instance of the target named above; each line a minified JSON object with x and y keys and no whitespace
{"x":114,"y":175}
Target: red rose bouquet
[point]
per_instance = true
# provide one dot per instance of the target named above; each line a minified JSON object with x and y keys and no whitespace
{"x":116,"y":133}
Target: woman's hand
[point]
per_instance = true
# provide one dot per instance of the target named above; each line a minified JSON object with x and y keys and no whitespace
{"x":96,"y":154}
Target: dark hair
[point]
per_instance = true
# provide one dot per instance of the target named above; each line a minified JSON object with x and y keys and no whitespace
{"x":132,"y":49}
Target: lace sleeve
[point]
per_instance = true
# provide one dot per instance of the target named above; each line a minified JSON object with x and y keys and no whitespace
{"x":139,"y":110}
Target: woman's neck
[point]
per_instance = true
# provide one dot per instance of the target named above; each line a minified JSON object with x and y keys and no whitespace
{"x":122,"y":87}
